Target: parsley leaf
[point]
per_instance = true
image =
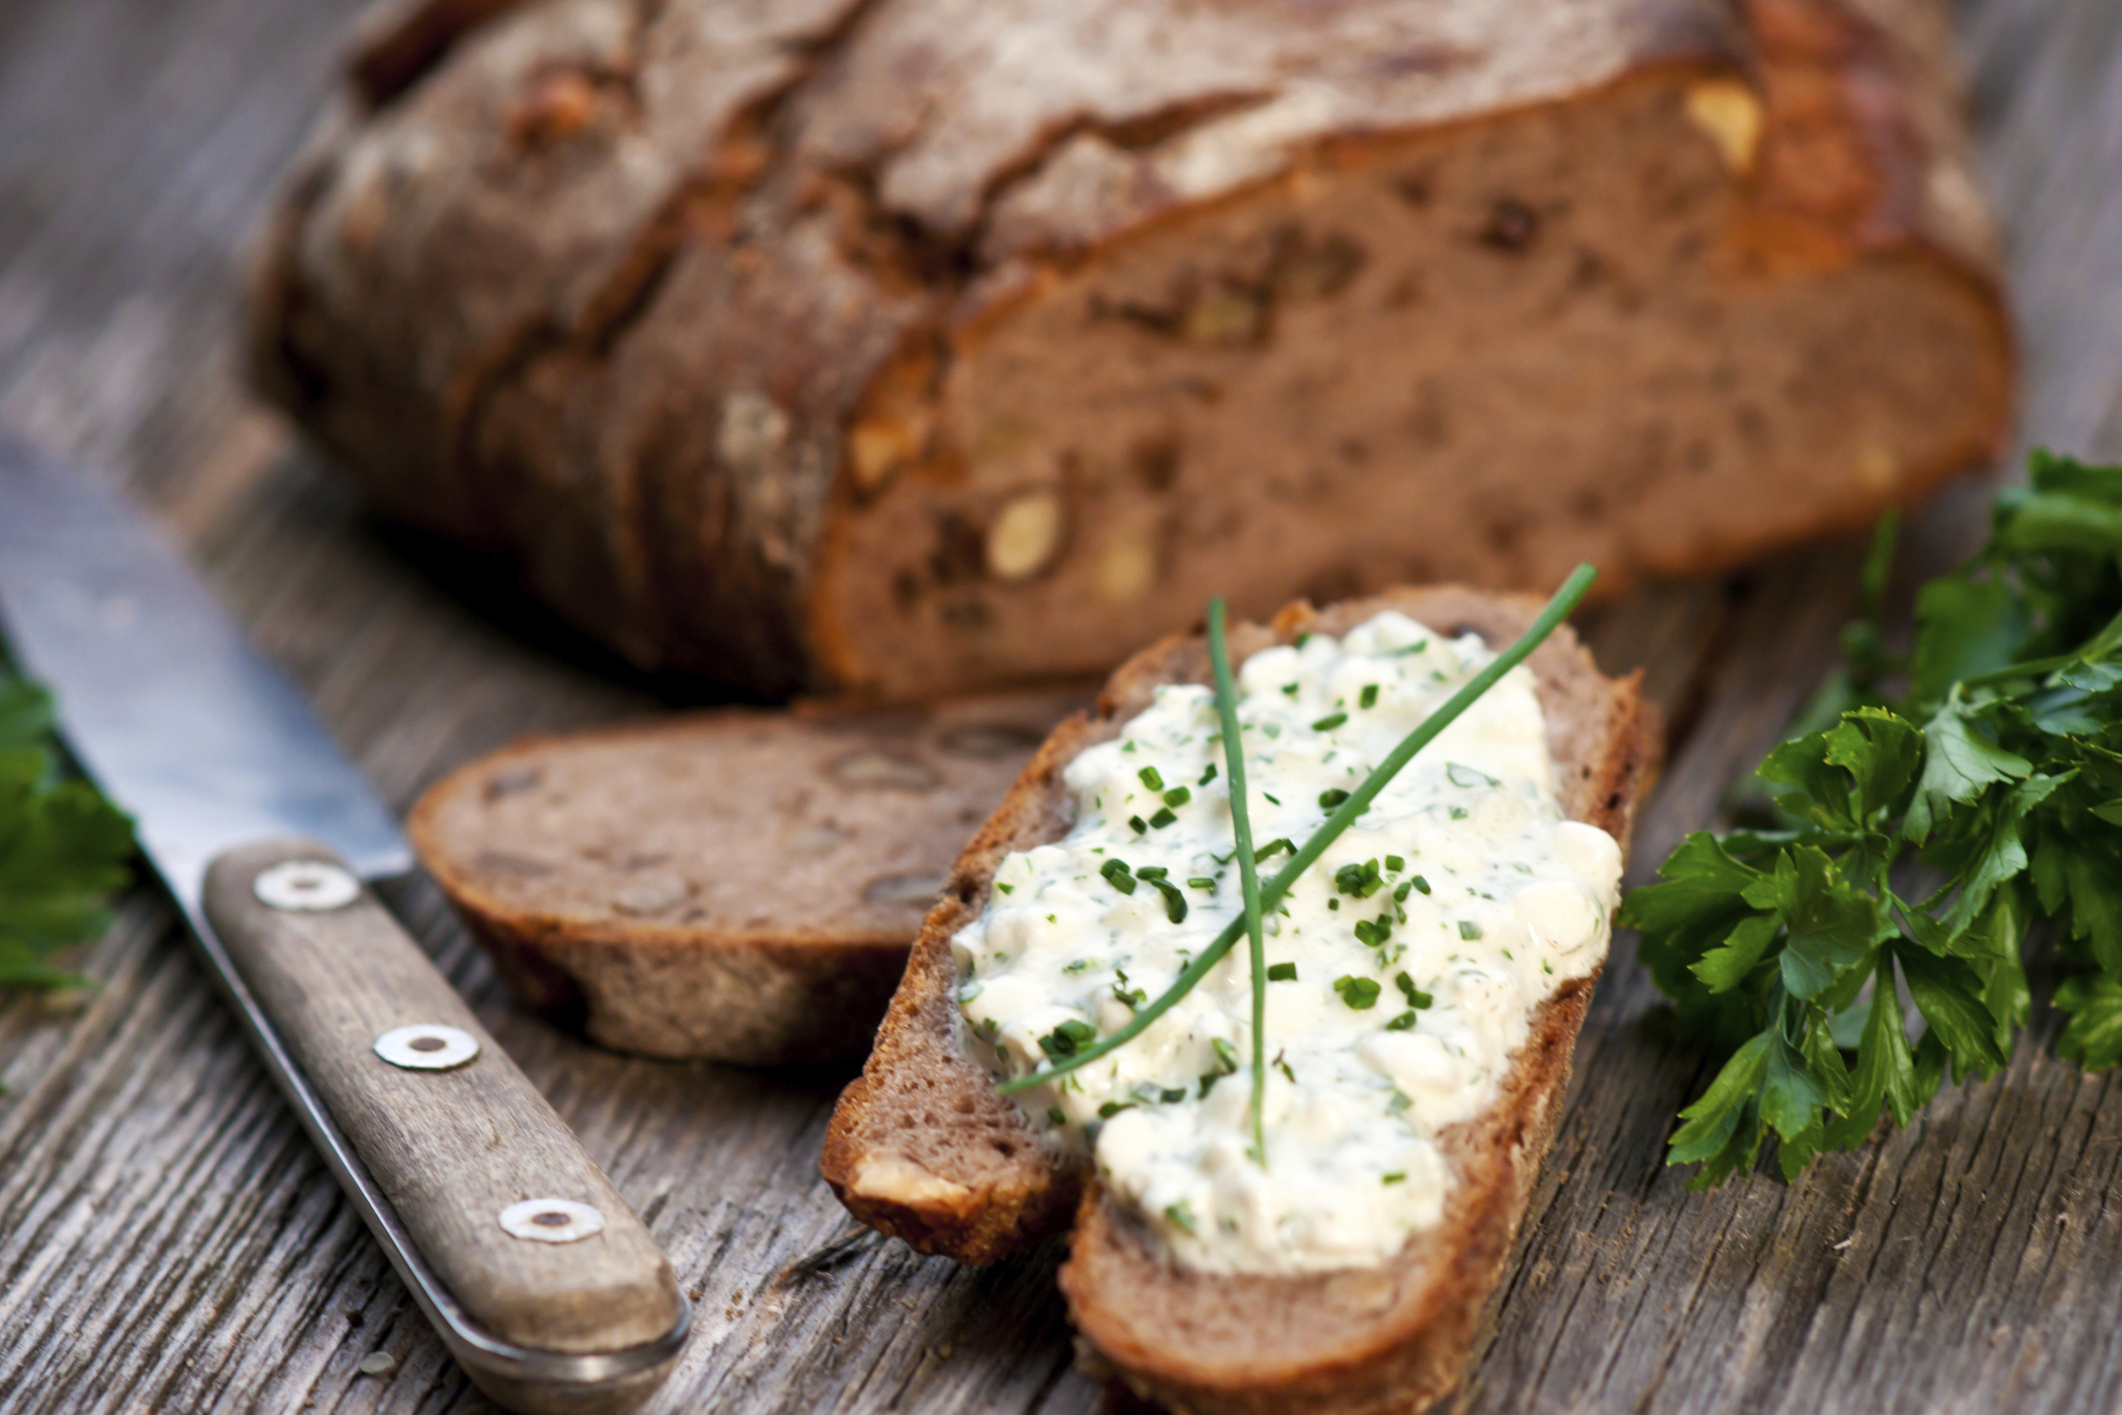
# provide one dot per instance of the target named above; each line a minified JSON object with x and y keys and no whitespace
{"x":63,"y":848}
{"x":1998,"y":764}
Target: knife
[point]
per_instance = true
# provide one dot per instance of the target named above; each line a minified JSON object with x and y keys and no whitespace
{"x":539,"y":1279}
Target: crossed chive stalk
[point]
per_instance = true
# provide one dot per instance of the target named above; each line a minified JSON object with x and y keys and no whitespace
{"x":1258,"y":897}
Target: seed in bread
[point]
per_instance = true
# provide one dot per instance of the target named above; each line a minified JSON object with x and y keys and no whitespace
{"x":922,"y":1147}
{"x":735,"y":885}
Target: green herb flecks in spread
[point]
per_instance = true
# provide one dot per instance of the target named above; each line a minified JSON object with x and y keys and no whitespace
{"x":1361,"y":1079}
{"x":1997,"y":763}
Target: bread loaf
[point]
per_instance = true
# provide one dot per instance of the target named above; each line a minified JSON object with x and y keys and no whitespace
{"x":736,"y":885}
{"x":917,"y":344}
{"x":922,"y":1147}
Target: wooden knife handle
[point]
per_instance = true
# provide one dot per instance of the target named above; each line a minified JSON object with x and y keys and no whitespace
{"x":451,"y":1148}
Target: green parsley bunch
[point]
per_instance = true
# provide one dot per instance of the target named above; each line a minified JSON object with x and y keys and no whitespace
{"x":1997,"y":764}
{"x":63,"y":848}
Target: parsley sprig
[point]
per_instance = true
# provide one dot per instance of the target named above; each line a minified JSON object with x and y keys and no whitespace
{"x":1921,"y":833}
{"x":63,"y":848}
{"x":1306,"y":855}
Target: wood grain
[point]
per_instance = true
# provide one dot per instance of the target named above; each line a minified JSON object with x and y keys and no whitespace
{"x":169,"y":1242}
{"x":450,"y":1149}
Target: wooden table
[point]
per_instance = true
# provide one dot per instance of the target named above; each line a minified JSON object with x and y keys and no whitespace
{"x":169,"y":1242}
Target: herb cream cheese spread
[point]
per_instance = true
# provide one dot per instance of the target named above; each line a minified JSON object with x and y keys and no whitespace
{"x":1404,"y":967}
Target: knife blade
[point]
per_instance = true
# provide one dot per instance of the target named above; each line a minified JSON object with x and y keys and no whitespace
{"x":541,"y":1281}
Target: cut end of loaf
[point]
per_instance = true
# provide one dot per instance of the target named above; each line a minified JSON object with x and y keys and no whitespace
{"x":1584,"y":331}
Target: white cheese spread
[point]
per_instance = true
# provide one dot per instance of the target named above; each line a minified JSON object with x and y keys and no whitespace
{"x":1404,"y":966}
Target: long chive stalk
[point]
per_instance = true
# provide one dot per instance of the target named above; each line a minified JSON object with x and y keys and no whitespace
{"x":1343,"y":817}
{"x":1241,"y":821}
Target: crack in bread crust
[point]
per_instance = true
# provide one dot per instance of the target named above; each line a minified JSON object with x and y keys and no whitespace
{"x":1357,"y":1340}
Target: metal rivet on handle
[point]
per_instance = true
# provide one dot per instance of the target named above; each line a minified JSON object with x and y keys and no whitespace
{"x":552,"y":1220}
{"x":311,"y":886}
{"x":427,"y":1046}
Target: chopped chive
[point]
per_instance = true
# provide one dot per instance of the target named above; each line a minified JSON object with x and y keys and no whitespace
{"x":1268,"y":850}
{"x":1359,"y":993}
{"x":1400,"y":1102}
{"x":1116,"y":875}
{"x":1396,"y":1177}
{"x":1174,"y":901}
{"x":1271,"y":800}
{"x":1151,"y":872}
{"x":1113,"y":1108}
{"x":1180,"y":1216}
{"x":1421,"y":885}
{"x":1329,"y":722}
{"x":1206,"y":776}
{"x":1401,"y":1023}
{"x":1290,"y":689}
{"x":1005,"y":888}
{"x":1162,"y":818}
{"x":1416,"y":998}
{"x":1226,"y":1055}
{"x":1141,"y":826}
{"x":1178,"y":796}
{"x":1558,"y":609}
{"x":1068,"y":1039}
{"x":1057,"y":1115}
{"x":1395,"y":863}
{"x":1333,"y":904}
{"x":1283,"y":1067}
{"x":1282,"y":973}
{"x":1151,"y":779}
{"x":1469,"y":929}
{"x":1362,"y":880}
{"x":1200,"y":882}
{"x":1369,"y":696}
{"x":1332,"y":797}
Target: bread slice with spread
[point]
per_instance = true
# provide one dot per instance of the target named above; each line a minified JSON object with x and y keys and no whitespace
{"x":733,"y":885}
{"x":1427,"y":979}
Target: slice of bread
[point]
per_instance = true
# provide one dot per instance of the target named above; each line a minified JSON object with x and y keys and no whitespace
{"x":734,"y":885}
{"x":923,"y":1148}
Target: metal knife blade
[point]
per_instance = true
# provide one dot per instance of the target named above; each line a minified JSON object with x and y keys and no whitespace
{"x":220,"y":760}
{"x":166,"y":706}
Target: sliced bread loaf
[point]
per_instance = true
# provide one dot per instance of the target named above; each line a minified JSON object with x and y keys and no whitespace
{"x":736,"y":885}
{"x":922,"y":1146}
{"x":921,"y":345}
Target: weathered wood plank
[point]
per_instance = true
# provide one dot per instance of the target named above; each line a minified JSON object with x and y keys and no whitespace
{"x":167,"y":1241}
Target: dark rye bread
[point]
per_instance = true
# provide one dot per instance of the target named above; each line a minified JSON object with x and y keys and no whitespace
{"x":921,"y":1146}
{"x":912,"y":345}
{"x":734,"y":885}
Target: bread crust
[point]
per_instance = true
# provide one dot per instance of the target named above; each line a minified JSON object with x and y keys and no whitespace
{"x":665,"y":295}
{"x":736,"y":886}
{"x":921,"y":1146}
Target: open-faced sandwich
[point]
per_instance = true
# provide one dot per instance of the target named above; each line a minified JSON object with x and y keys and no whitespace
{"x":1318,"y":1232}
